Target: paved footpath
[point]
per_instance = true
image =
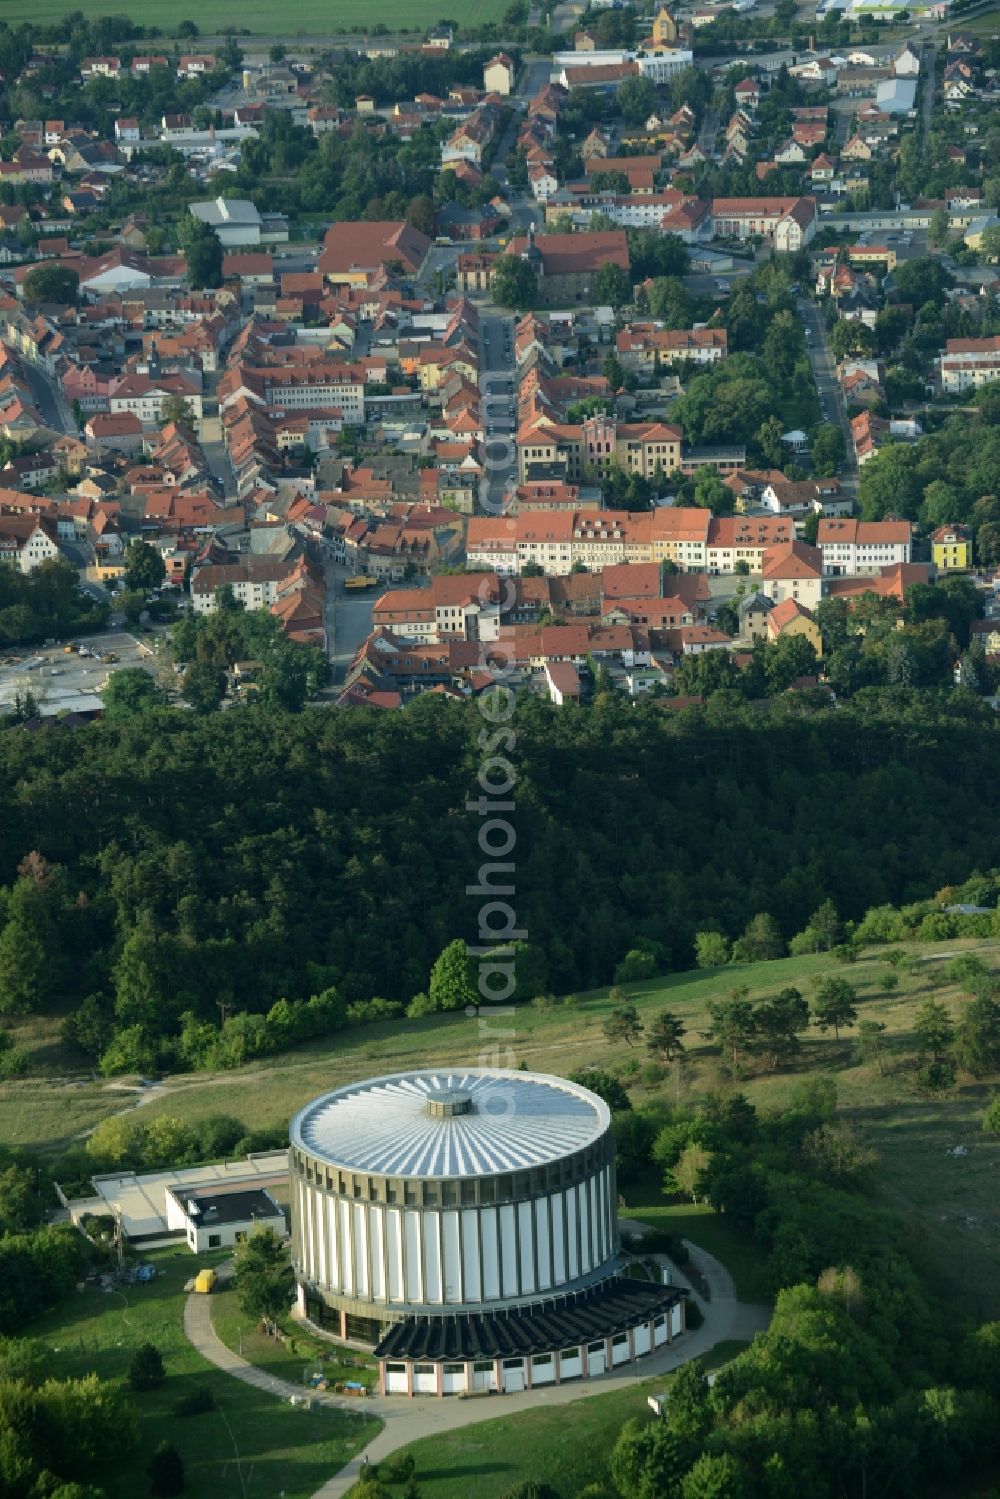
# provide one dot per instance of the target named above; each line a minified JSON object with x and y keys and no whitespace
{"x":407,"y":1420}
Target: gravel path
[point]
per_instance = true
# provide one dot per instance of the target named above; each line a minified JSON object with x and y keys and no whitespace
{"x":406,"y":1420}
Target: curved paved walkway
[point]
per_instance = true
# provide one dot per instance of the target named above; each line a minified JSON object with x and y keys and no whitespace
{"x":407,"y":1420}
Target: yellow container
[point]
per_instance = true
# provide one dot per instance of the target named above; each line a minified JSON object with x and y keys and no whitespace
{"x":204,"y":1281}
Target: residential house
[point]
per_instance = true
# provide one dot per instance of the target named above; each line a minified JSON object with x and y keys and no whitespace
{"x":793,"y":570}
{"x":753,"y":611}
{"x":951,"y":549}
{"x":791,"y":617}
{"x":27,"y":540}
{"x":739,"y":543}
{"x":498,"y":75}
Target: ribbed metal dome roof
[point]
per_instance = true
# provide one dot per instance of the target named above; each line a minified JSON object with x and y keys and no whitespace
{"x":450,"y":1123}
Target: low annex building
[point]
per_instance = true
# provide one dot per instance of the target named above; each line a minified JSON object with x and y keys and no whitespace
{"x":218,"y":1220}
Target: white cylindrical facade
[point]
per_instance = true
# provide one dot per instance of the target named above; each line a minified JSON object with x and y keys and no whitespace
{"x":452,"y":1191}
{"x":457,"y":1257}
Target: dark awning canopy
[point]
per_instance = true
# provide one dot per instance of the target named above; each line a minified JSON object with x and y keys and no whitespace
{"x":565,"y":1321}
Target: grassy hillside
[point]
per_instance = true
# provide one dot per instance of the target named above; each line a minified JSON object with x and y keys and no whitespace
{"x":952,"y":1201}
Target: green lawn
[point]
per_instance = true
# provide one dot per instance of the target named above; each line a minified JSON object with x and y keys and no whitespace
{"x":295,"y":1360}
{"x":308,"y":17}
{"x":710,"y":1231}
{"x":951,"y":1202}
{"x":567,"y":1446}
{"x":252,"y":1439}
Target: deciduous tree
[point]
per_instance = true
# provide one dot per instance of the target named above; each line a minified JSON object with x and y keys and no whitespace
{"x":453,"y":979}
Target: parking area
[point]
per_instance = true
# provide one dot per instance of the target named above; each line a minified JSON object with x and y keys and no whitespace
{"x":52,"y":673}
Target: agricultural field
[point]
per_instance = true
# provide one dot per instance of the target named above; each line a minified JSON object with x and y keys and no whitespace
{"x":251,"y":1443}
{"x":566,"y":1446}
{"x":308,"y":18}
{"x":950,"y":1200}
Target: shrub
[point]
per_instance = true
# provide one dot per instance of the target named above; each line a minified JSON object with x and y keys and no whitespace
{"x":936,"y":1076}
{"x":195,"y":1402}
{"x":365,"y":1011}
{"x":636,"y":964}
{"x":991,"y":1116}
{"x":420,"y":1005}
{"x":544,"y":1002}
{"x":966,"y":971}
{"x":146,"y":1371}
{"x":659,"y":1241}
{"x":399,"y":1468}
{"x":888,"y":982}
{"x":166,"y":1472}
{"x":14,"y":1063}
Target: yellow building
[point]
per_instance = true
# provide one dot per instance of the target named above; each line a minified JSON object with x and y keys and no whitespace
{"x":951,"y":549}
{"x":665,"y":29}
{"x":792,"y":618}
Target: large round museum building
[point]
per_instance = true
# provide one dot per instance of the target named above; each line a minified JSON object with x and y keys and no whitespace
{"x":464,"y":1223}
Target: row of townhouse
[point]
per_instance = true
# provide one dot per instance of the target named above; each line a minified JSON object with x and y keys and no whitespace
{"x":644,"y":347}
{"x":689,"y":537}
{"x":394,"y":539}
{"x":480,"y":606}
{"x":452,"y":607}
{"x":190,"y":65}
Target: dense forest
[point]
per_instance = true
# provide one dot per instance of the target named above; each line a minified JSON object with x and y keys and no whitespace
{"x":163,"y":866}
